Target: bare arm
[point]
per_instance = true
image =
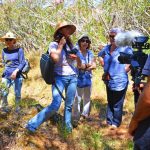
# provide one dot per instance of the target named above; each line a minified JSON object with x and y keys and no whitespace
{"x":92,"y":65}
{"x":142,"y":110}
{"x":80,"y":65}
{"x":55,"y":55}
{"x":101,"y":61}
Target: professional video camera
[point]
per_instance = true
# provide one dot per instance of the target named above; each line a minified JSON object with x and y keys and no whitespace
{"x":137,"y":59}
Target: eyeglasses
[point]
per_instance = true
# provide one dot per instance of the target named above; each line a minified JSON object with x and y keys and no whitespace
{"x":84,"y":40}
{"x":112,"y":36}
{"x":8,"y":39}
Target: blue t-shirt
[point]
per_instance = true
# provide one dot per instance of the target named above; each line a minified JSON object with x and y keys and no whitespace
{"x":118,"y":75}
{"x":87,"y":59}
{"x":12,"y":59}
{"x":65,"y":65}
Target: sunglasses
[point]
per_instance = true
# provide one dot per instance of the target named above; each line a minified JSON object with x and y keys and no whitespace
{"x":112,"y":36}
{"x":8,"y":39}
{"x":84,"y":40}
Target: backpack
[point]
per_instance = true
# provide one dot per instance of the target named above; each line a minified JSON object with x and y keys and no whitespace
{"x":26,"y":69}
{"x":47,"y":68}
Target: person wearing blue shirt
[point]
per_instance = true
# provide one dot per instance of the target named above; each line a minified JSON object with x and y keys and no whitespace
{"x":13,"y":61}
{"x":84,"y":85}
{"x":65,"y":77}
{"x":115,"y":77}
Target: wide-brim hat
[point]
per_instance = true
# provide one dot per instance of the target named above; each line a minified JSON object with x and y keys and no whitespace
{"x":84,"y":36}
{"x":64,"y":24}
{"x":9,"y":35}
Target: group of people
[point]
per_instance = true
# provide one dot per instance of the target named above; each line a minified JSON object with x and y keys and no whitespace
{"x":73,"y":73}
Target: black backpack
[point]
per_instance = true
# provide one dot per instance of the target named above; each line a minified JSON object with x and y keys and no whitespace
{"x":47,"y":68}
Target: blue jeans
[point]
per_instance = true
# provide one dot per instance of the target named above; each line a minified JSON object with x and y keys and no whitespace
{"x":69,"y":83}
{"x":115,"y":106}
{"x":17,"y":85}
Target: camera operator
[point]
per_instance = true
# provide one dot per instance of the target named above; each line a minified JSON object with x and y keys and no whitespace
{"x":115,"y":77}
{"x":136,"y":60}
{"x":140,"y":123}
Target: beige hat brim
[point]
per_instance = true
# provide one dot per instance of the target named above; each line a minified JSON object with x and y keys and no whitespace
{"x":72,"y":29}
{"x":2,"y":39}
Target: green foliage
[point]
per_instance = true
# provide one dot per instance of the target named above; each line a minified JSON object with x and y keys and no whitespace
{"x":130,"y":145}
{"x":64,"y":133}
{"x":36,"y":25}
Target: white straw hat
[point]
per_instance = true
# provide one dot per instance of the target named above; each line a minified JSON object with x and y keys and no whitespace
{"x":9,"y":35}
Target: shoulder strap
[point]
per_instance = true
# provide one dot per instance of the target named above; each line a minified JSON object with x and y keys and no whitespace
{"x":88,"y":57}
{"x":59,"y":91}
{"x":18,"y":55}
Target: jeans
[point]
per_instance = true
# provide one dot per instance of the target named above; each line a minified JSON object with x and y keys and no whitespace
{"x":17,"y":85}
{"x":85,"y":94}
{"x":69,"y":83}
{"x":115,"y":106}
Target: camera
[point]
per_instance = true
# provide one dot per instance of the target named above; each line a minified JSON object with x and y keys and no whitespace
{"x":73,"y":51}
{"x":137,"y":59}
{"x":58,"y":37}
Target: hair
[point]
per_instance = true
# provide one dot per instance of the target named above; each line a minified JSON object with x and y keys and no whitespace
{"x":15,"y":41}
{"x":116,"y":30}
{"x":69,"y":43}
{"x":84,"y":37}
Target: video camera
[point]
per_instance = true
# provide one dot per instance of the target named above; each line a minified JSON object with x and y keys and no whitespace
{"x":137,"y":59}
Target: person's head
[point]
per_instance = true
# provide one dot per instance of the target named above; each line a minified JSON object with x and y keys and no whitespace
{"x":10,"y":39}
{"x":112,"y":33}
{"x":63,"y":29}
{"x":84,"y":42}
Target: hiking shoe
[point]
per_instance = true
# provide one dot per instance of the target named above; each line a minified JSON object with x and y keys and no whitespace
{"x":29,"y":129}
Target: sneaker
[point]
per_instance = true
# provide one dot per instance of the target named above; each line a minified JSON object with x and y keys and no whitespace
{"x":87,"y":118}
{"x":113,"y":127}
{"x":30,"y":130}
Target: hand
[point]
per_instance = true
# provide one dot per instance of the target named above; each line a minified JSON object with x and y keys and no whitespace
{"x":138,"y":87}
{"x":72,"y":56}
{"x":14,"y":74}
{"x":1,"y":65}
{"x":62,"y":41}
{"x":88,"y":67}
